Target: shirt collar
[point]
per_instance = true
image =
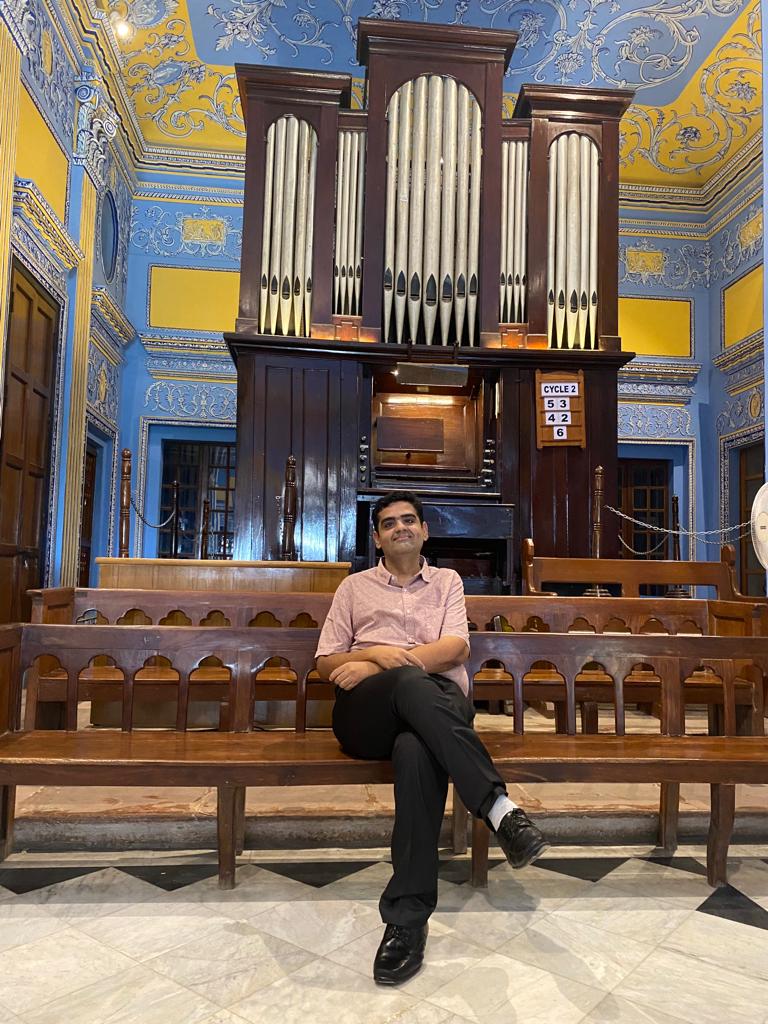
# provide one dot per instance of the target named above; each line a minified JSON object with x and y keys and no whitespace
{"x":425,"y":571}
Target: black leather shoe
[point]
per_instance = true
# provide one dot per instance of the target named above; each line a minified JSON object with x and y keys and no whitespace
{"x":400,"y":954}
{"x":519,"y":838}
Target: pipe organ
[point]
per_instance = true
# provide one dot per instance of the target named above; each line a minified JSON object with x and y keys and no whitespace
{"x":425,"y":228}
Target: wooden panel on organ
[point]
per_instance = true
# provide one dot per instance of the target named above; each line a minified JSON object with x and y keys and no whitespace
{"x":426,"y":230}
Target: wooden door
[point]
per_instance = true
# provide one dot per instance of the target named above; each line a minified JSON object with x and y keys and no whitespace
{"x":25,"y":443}
{"x":86,"y":533}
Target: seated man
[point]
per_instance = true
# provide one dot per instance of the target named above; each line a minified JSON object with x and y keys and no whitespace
{"x":394,"y":644}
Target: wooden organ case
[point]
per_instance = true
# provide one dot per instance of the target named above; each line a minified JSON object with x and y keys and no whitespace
{"x":406,"y":270}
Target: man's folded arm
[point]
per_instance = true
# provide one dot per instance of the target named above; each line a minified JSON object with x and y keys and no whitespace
{"x":442,"y":654}
{"x":326,"y":663}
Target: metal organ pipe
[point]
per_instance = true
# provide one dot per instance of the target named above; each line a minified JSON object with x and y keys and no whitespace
{"x":286,"y":242}
{"x":348,"y":251}
{"x":512,"y":279}
{"x":572,"y":242}
{"x":432,"y":220}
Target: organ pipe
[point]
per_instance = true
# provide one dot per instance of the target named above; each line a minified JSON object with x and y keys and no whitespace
{"x":286,"y":244}
{"x":432,"y":218}
{"x":348,"y":250}
{"x":572,"y":242}
{"x":514,"y":219}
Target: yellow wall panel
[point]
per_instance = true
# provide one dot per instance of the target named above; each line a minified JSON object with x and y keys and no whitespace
{"x":40,"y":157}
{"x":656,"y":327}
{"x":193,"y":300}
{"x":743,"y":307}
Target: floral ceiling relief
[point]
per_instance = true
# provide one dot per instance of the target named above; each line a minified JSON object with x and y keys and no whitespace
{"x":694,"y":63}
{"x":714,"y":114}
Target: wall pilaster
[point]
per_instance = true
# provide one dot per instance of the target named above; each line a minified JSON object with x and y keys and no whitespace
{"x":70,"y":554}
{"x":10,"y":78}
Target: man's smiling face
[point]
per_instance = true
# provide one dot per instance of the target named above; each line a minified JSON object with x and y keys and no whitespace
{"x":399,"y":531}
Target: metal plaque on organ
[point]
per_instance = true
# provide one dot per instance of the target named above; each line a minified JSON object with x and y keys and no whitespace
{"x":560,"y":409}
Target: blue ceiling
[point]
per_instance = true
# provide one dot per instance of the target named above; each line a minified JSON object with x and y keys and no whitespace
{"x":654,"y":48}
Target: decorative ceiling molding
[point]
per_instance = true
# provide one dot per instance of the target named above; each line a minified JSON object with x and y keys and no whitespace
{"x":660,"y":383}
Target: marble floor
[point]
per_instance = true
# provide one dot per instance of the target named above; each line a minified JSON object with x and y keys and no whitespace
{"x":586,"y":936}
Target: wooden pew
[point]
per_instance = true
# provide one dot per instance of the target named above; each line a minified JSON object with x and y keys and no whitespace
{"x":236,"y":757}
{"x":631,"y":573}
{"x":533,"y":613}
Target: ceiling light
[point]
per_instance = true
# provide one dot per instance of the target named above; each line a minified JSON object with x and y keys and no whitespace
{"x":122,"y":28}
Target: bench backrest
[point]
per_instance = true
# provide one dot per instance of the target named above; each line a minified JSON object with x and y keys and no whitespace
{"x":532,"y":613}
{"x":630,"y":574}
{"x":244,"y":652}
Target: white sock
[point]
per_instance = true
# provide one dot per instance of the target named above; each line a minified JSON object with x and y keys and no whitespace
{"x":502,"y":806}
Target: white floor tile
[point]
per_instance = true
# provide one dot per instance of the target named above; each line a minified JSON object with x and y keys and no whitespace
{"x":319,"y":926}
{"x":499,"y":990}
{"x":695,"y":991}
{"x":135,"y":996}
{"x":94,"y":895}
{"x":230,"y":962}
{"x":578,"y":951}
{"x":615,"y":1010}
{"x":36,"y":974}
{"x":150,"y":929}
{"x":724,"y":943}
{"x":324,"y":993}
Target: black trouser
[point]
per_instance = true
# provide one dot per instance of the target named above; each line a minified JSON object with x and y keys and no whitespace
{"x":423,"y":723}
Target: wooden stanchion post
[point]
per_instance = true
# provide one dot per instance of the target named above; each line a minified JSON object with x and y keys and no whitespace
{"x":287,"y":542}
{"x":124,"y":535}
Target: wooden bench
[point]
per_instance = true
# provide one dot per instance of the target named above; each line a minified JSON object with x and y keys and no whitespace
{"x":533,"y":613}
{"x":630,"y":574}
{"x":236,"y":757}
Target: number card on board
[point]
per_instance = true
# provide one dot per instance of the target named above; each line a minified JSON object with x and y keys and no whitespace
{"x":560,"y":409}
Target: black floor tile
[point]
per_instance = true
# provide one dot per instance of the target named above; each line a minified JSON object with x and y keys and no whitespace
{"x":21,"y":880}
{"x":733,"y":905}
{"x":689,"y":864}
{"x":589,"y":869}
{"x":171,"y":876}
{"x":316,"y":873}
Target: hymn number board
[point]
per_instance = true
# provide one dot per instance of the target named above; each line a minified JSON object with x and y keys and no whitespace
{"x":560,"y":409}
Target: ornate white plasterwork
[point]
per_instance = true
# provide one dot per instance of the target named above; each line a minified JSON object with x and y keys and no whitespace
{"x":96,"y":125}
{"x":656,"y":422}
{"x":200,"y":400}
{"x":103,"y":384}
{"x":746,"y":409}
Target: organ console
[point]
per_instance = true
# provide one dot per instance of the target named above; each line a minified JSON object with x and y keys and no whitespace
{"x":426,"y":231}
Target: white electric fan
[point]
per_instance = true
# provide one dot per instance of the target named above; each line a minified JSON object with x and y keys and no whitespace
{"x":759,"y":525}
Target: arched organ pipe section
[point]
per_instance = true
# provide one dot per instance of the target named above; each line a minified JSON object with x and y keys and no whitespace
{"x":513,"y":280}
{"x":572,"y":242}
{"x":348,"y":251}
{"x":285,"y":304}
{"x":432,"y":220}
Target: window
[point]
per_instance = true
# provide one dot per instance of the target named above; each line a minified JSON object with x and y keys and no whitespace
{"x":204,"y":471}
{"x":751,"y":479}
{"x":644,"y":495}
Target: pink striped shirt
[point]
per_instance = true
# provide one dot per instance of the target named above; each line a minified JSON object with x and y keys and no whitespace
{"x":372,"y":608}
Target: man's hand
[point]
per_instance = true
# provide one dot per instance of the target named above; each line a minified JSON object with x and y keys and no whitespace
{"x":393,"y":657}
{"x":348,"y":676}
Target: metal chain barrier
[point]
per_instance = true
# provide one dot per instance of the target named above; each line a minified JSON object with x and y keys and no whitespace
{"x":152,"y":526}
{"x":642,"y":554}
{"x":722,"y":536}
